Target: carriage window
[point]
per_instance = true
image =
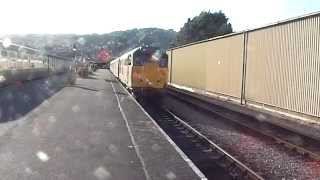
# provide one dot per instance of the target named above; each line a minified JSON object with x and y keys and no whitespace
{"x":128,"y":60}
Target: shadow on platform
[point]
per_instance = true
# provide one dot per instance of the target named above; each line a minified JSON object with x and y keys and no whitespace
{"x":18,"y":99}
{"x":90,"y":77}
{"x":113,"y":81}
{"x":85,"y":88}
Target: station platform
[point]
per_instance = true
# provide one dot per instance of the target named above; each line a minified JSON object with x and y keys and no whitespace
{"x":91,"y":130}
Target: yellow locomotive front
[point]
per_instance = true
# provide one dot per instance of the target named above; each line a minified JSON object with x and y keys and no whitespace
{"x":150,"y":68}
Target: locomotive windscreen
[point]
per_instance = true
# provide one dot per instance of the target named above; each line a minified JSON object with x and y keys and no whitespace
{"x":145,"y":54}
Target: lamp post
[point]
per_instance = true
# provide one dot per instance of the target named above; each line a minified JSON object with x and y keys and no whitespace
{"x":74,"y":50}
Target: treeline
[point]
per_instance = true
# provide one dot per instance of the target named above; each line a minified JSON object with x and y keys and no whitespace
{"x":203,"y":26}
{"x":88,"y":45}
{"x":120,"y":41}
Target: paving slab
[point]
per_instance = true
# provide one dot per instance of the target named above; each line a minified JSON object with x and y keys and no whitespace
{"x":92,"y":130}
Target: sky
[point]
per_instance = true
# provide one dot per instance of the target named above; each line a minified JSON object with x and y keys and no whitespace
{"x":104,"y":16}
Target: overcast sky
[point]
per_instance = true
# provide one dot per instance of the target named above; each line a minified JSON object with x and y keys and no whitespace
{"x":103,"y":16}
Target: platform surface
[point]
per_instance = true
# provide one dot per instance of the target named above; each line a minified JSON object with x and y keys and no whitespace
{"x":92,"y":130}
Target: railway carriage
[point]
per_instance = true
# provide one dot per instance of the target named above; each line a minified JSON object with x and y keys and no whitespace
{"x":143,"y":69}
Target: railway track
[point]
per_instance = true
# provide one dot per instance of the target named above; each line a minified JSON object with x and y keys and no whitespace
{"x":305,"y":146}
{"x":211,"y":159}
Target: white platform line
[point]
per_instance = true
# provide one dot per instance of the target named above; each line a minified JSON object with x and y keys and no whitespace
{"x":131,"y":135}
{"x":175,"y":146}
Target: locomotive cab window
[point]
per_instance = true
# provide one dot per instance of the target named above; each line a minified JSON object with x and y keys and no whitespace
{"x":139,"y":58}
{"x":163,"y":60}
{"x":160,"y":57}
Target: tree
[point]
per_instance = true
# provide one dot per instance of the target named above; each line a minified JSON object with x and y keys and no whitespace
{"x":205,"y":25}
{"x":116,"y":42}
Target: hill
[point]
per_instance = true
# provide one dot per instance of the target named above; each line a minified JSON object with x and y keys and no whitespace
{"x":88,"y":45}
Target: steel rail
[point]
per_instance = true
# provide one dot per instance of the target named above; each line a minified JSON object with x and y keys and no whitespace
{"x":285,"y":143}
{"x":245,"y":169}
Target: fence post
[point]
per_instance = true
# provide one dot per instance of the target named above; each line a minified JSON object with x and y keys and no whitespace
{"x":244,"y":68}
{"x":48,"y":61}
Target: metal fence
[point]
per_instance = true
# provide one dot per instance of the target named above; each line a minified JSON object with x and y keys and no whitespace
{"x":19,"y":62}
{"x":283,"y":66}
{"x":276,"y":66}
